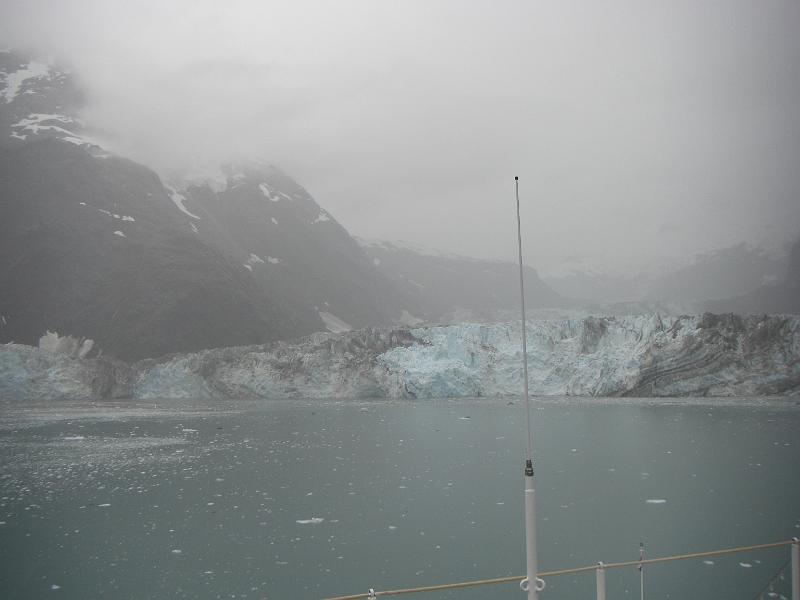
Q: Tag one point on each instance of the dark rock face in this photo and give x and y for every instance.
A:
(290, 243)
(95, 246)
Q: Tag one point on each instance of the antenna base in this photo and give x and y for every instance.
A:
(529, 468)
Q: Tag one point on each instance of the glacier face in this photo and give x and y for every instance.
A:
(606, 356)
(651, 355)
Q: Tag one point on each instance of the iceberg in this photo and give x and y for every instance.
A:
(640, 356)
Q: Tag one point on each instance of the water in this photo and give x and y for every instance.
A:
(303, 500)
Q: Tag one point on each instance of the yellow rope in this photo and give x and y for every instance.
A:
(516, 578)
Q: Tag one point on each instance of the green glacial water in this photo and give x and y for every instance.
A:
(296, 500)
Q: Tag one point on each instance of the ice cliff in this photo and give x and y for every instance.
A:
(708, 355)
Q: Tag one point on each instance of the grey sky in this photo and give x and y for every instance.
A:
(640, 130)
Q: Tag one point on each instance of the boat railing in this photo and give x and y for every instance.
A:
(600, 569)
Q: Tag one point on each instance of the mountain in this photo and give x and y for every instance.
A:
(592, 288)
(691, 287)
(451, 288)
(715, 275)
(287, 242)
(93, 245)
(782, 296)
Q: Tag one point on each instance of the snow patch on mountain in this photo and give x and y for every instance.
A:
(13, 81)
(179, 199)
(271, 194)
(399, 245)
(114, 215)
(322, 217)
(266, 192)
(253, 259)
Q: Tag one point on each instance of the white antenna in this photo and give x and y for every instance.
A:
(531, 559)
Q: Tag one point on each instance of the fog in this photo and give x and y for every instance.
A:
(641, 132)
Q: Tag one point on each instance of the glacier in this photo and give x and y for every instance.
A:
(640, 356)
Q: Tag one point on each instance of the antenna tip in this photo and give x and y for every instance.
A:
(516, 178)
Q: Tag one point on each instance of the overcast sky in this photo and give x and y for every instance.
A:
(639, 130)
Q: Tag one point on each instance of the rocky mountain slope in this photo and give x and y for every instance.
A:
(708, 355)
(448, 288)
(782, 296)
(698, 285)
(96, 246)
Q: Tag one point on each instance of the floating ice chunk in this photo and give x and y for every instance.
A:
(55, 587)
(333, 323)
(256, 259)
(273, 261)
(119, 233)
(105, 505)
(708, 562)
(311, 521)
(73, 438)
(177, 551)
(187, 430)
(656, 501)
(127, 218)
(746, 565)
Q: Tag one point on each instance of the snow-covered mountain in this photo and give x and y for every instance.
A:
(449, 288)
(96, 246)
(652, 355)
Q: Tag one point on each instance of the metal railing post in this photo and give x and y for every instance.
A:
(795, 569)
(600, 574)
